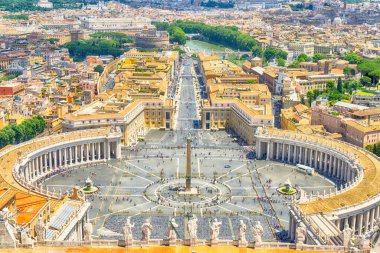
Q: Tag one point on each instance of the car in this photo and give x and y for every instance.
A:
(227, 166)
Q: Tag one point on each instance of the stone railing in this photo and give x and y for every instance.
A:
(179, 242)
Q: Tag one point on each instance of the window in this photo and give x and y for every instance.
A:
(208, 116)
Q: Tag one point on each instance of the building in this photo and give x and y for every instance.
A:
(235, 100)
(44, 4)
(295, 116)
(11, 89)
(126, 25)
(151, 38)
(138, 100)
(357, 124)
(366, 98)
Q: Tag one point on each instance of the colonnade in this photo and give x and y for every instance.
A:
(76, 152)
(326, 161)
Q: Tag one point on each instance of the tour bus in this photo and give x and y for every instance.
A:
(305, 169)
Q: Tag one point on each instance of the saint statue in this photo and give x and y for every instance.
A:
(215, 229)
(146, 229)
(192, 228)
(172, 232)
(242, 230)
(87, 232)
(127, 230)
(301, 234)
(347, 234)
(40, 230)
(258, 232)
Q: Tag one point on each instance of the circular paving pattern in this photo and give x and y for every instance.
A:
(170, 192)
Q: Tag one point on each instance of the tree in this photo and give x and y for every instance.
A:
(281, 62)
(340, 85)
(28, 129)
(353, 58)
(330, 85)
(365, 81)
(270, 54)
(99, 69)
(52, 41)
(317, 57)
(294, 64)
(257, 51)
(347, 71)
(303, 58)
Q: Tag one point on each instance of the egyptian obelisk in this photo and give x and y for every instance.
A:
(188, 164)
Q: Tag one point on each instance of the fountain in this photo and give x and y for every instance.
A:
(287, 189)
(89, 187)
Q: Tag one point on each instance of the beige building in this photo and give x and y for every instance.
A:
(236, 100)
(358, 126)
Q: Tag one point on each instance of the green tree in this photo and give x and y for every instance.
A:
(353, 58)
(99, 69)
(340, 85)
(281, 62)
(257, 51)
(330, 85)
(270, 54)
(365, 81)
(303, 58)
(317, 57)
(294, 64)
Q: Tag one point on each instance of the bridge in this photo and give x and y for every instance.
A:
(191, 35)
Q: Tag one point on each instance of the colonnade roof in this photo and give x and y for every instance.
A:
(367, 188)
(29, 203)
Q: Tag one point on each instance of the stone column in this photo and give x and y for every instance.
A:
(99, 149)
(366, 221)
(87, 151)
(372, 219)
(60, 157)
(76, 154)
(41, 166)
(55, 160)
(92, 151)
(353, 223)
(81, 150)
(294, 154)
(268, 150)
(360, 224)
(283, 152)
(289, 151)
(50, 161)
(65, 154)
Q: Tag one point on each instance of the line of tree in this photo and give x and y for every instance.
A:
(374, 148)
(17, 17)
(213, 4)
(30, 5)
(121, 37)
(80, 49)
(370, 69)
(229, 36)
(28, 129)
(334, 92)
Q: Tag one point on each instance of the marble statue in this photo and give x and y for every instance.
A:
(301, 234)
(215, 229)
(258, 232)
(25, 236)
(146, 229)
(347, 234)
(127, 231)
(192, 228)
(242, 230)
(40, 230)
(172, 233)
(374, 235)
(87, 232)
